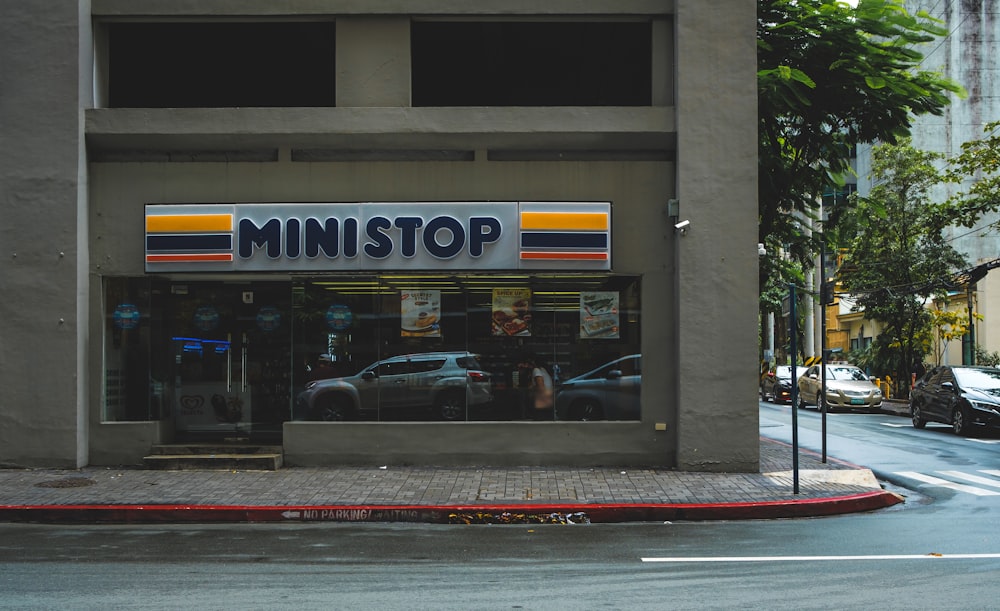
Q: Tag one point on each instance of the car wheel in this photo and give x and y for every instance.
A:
(332, 409)
(959, 421)
(451, 406)
(917, 417)
(586, 410)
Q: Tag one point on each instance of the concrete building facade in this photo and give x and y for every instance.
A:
(205, 203)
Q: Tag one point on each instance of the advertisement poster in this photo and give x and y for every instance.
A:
(421, 313)
(599, 315)
(512, 312)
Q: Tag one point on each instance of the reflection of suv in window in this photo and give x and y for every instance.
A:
(610, 392)
(448, 382)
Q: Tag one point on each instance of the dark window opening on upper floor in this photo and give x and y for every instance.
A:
(221, 65)
(531, 64)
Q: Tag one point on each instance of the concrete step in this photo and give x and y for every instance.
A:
(213, 448)
(217, 457)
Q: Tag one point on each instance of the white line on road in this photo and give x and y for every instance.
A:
(986, 441)
(824, 558)
(990, 472)
(943, 483)
(975, 479)
(896, 425)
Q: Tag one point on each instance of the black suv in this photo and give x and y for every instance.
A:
(967, 398)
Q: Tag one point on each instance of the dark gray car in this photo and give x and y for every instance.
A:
(967, 398)
(610, 392)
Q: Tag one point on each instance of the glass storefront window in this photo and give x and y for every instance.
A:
(242, 357)
(421, 347)
(133, 385)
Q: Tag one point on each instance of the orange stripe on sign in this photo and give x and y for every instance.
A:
(581, 221)
(580, 256)
(203, 257)
(183, 223)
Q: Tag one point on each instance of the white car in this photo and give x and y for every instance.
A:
(847, 387)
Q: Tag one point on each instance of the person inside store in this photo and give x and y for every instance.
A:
(541, 392)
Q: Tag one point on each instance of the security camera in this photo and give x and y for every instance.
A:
(761, 251)
(682, 225)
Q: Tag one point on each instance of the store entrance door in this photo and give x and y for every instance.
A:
(231, 355)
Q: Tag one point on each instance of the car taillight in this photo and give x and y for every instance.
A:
(479, 376)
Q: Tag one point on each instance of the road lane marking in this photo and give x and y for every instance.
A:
(943, 483)
(931, 556)
(990, 472)
(895, 425)
(986, 441)
(975, 479)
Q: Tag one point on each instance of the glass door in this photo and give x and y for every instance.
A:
(231, 354)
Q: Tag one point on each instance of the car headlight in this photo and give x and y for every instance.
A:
(986, 407)
(877, 393)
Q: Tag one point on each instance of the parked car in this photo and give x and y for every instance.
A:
(609, 392)
(967, 398)
(447, 382)
(776, 385)
(847, 387)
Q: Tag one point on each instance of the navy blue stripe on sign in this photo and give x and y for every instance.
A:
(216, 241)
(552, 239)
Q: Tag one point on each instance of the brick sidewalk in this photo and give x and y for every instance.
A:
(445, 488)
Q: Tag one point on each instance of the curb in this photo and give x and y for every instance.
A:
(449, 514)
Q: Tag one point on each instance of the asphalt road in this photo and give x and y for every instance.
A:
(938, 550)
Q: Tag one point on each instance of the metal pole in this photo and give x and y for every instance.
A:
(793, 328)
(972, 325)
(822, 339)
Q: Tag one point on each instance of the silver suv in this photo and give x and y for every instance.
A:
(447, 382)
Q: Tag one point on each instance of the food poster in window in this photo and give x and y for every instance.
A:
(512, 312)
(599, 315)
(420, 313)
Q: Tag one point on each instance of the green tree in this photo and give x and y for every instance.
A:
(830, 77)
(979, 162)
(891, 264)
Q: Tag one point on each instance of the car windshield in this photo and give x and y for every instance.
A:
(783, 372)
(980, 379)
(846, 373)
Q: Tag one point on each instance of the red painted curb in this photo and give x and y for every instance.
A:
(450, 514)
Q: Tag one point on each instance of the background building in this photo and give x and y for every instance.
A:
(118, 114)
(967, 55)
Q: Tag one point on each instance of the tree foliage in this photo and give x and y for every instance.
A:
(979, 162)
(898, 247)
(830, 77)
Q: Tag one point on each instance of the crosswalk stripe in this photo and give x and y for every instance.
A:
(975, 479)
(943, 483)
(993, 472)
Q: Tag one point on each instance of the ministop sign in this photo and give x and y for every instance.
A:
(378, 236)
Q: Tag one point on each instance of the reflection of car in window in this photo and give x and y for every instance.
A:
(609, 392)
(448, 382)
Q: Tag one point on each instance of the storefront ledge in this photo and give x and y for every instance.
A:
(474, 128)
(470, 443)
